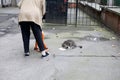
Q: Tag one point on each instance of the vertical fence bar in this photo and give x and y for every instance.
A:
(2, 3)
(76, 13)
(66, 10)
(70, 12)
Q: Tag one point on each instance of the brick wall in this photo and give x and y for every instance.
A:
(111, 20)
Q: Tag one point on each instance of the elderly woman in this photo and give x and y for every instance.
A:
(30, 16)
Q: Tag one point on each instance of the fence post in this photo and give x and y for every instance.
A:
(76, 13)
(66, 6)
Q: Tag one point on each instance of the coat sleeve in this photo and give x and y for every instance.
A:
(44, 7)
(20, 3)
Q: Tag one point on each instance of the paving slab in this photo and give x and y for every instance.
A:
(98, 59)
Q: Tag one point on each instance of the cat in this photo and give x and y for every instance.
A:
(69, 44)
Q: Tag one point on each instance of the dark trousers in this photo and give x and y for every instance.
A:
(37, 31)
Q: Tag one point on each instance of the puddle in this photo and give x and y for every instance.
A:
(4, 17)
(86, 28)
(94, 38)
(1, 33)
(2, 30)
(46, 37)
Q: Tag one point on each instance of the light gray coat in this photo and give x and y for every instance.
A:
(31, 10)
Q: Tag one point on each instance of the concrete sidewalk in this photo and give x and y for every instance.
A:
(97, 60)
(9, 10)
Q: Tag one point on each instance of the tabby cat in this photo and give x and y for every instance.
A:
(69, 44)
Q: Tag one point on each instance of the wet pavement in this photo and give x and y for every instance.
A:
(8, 25)
(8, 21)
(98, 59)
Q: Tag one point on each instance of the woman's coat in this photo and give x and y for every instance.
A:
(31, 10)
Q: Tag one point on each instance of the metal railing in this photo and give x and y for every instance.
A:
(87, 12)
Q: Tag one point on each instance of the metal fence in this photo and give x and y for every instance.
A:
(76, 12)
(87, 12)
(117, 3)
(56, 11)
(83, 12)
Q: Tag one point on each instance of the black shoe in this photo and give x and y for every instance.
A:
(45, 55)
(27, 54)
